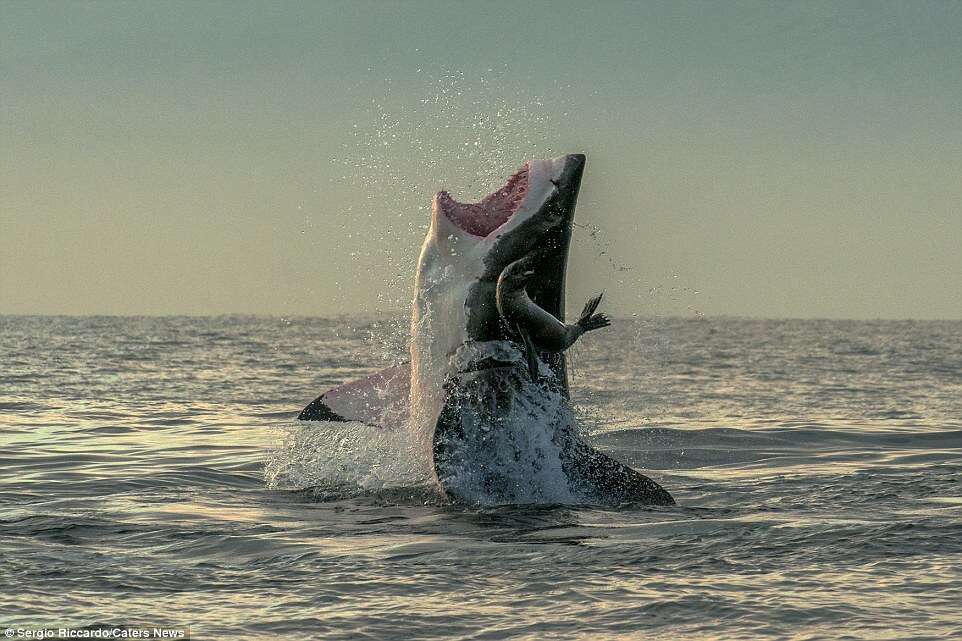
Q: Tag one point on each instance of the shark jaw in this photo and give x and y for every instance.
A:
(482, 218)
(520, 200)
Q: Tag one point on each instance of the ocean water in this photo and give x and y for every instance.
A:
(151, 474)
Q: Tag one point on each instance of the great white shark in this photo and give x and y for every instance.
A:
(485, 393)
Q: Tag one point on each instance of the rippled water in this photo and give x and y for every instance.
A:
(816, 465)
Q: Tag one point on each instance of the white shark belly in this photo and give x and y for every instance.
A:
(438, 328)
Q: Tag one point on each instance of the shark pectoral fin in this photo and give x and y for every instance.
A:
(607, 480)
(530, 352)
(380, 399)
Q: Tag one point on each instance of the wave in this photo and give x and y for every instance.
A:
(334, 461)
(679, 448)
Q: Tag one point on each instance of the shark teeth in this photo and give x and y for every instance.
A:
(492, 211)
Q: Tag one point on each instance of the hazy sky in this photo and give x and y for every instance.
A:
(768, 159)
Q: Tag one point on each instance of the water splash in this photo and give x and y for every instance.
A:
(456, 130)
(501, 439)
(350, 457)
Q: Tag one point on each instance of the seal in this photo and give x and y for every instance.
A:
(538, 328)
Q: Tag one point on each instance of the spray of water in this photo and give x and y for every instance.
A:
(343, 457)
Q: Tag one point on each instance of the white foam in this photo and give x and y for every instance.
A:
(351, 455)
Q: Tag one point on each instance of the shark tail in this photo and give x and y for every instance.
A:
(589, 320)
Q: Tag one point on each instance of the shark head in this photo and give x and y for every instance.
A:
(532, 213)
(467, 247)
(527, 212)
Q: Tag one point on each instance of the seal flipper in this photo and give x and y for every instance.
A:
(380, 399)
(530, 352)
(589, 320)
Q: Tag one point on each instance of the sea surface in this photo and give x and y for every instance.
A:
(151, 473)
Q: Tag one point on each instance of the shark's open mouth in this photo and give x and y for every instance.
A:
(494, 210)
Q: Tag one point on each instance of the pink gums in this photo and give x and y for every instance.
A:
(482, 218)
